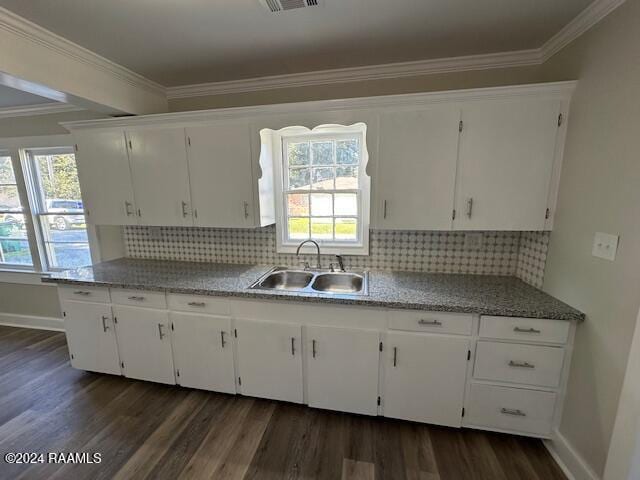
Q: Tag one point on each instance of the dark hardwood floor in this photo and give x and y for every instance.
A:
(146, 430)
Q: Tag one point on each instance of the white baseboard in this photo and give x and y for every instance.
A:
(569, 460)
(30, 321)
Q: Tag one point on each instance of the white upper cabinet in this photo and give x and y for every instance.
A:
(418, 151)
(221, 179)
(105, 177)
(506, 160)
(160, 176)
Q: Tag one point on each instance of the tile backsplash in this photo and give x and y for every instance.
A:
(522, 254)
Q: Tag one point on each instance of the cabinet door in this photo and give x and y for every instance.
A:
(342, 369)
(270, 360)
(105, 177)
(91, 337)
(203, 352)
(417, 160)
(160, 176)
(424, 377)
(144, 342)
(221, 178)
(507, 151)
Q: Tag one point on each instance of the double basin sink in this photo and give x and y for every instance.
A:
(307, 281)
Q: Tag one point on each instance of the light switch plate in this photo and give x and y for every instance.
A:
(473, 241)
(605, 246)
(155, 233)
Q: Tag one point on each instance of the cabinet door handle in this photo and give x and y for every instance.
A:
(82, 292)
(136, 298)
(384, 210)
(246, 209)
(293, 346)
(105, 327)
(513, 411)
(185, 213)
(525, 330)
(395, 356)
(161, 333)
(433, 323)
(469, 207)
(196, 304)
(222, 340)
(513, 363)
(127, 208)
(313, 348)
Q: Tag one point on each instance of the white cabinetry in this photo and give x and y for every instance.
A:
(424, 377)
(220, 172)
(203, 351)
(160, 176)
(418, 151)
(145, 344)
(270, 359)
(91, 337)
(506, 161)
(105, 177)
(342, 369)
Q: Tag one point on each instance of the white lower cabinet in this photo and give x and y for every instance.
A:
(144, 343)
(342, 369)
(91, 337)
(203, 351)
(269, 359)
(424, 377)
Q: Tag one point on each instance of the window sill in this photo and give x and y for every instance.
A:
(23, 277)
(359, 250)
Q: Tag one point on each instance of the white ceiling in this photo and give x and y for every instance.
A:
(10, 97)
(177, 42)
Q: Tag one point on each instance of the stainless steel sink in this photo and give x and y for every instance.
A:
(317, 281)
(338, 282)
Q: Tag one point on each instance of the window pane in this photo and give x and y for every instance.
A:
(299, 179)
(6, 170)
(59, 182)
(298, 228)
(347, 178)
(298, 204)
(69, 255)
(346, 204)
(323, 178)
(322, 153)
(346, 229)
(298, 153)
(9, 199)
(321, 204)
(347, 152)
(14, 245)
(322, 228)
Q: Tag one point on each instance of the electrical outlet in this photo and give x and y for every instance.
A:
(473, 241)
(605, 246)
(155, 233)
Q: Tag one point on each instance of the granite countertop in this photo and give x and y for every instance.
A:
(480, 294)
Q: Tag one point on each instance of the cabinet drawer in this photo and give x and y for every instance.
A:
(139, 298)
(432, 322)
(84, 294)
(526, 411)
(199, 303)
(529, 329)
(516, 363)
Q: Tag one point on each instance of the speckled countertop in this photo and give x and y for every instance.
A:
(481, 294)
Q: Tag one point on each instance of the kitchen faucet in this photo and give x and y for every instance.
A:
(318, 266)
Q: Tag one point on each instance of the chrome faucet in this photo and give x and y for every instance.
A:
(317, 247)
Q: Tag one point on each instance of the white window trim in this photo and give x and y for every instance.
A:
(274, 139)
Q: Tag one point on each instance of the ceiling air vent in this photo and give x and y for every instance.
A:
(282, 5)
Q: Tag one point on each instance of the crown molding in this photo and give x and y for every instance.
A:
(32, 32)
(586, 19)
(355, 74)
(37, 109)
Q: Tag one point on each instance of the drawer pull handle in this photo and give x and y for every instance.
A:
(432, 323)
(196, 304)
(293, 346)
(222, 340)
(82, 292)
(525, 330)
(313, 348)
(161, 333)
(513, 363)
(513, 411)
(136, 298)
(395, 356)
(105, 327)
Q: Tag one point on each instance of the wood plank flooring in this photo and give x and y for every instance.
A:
(146, 430)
